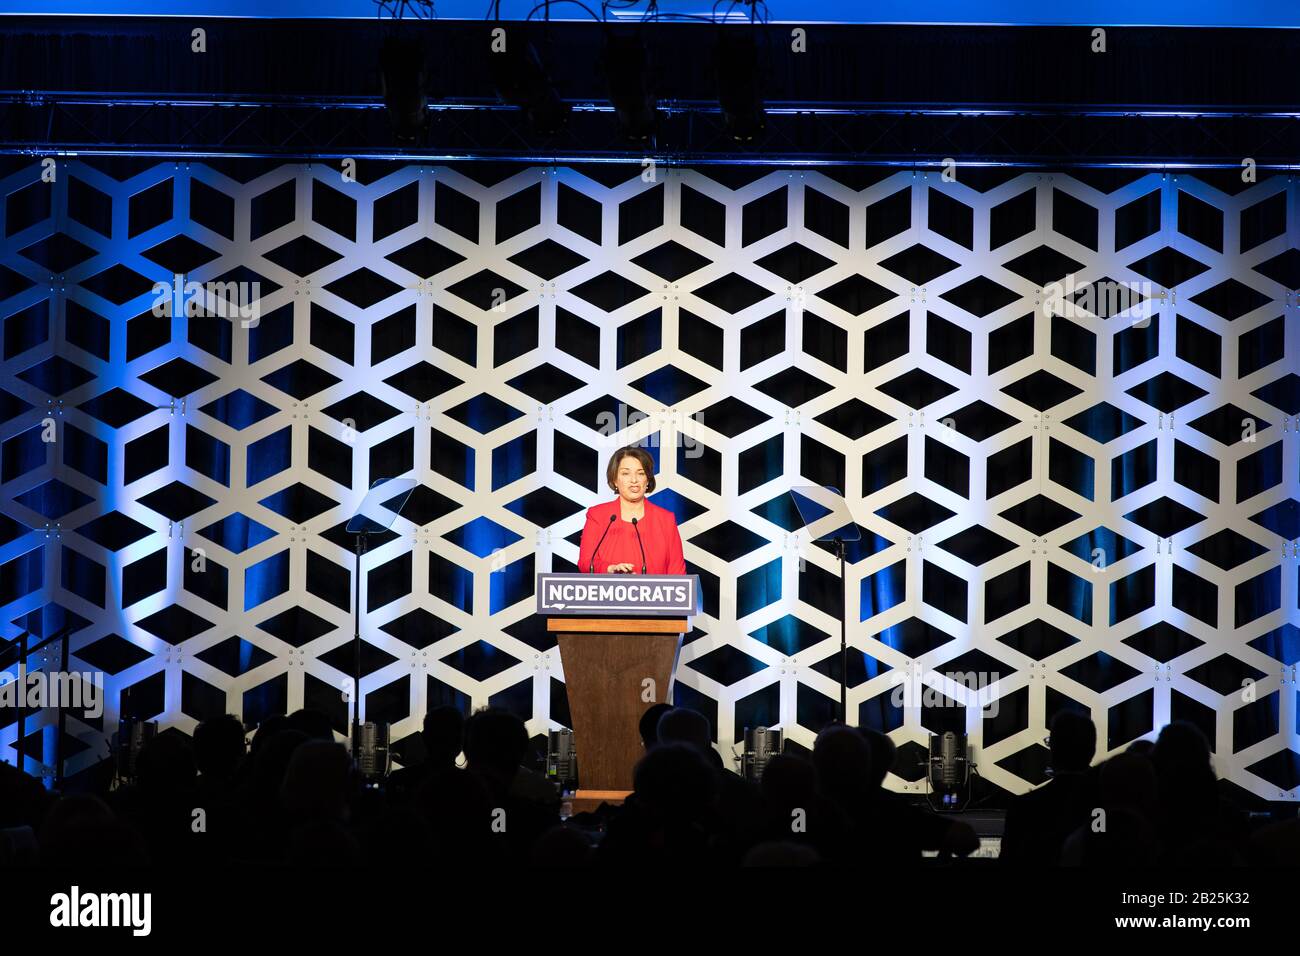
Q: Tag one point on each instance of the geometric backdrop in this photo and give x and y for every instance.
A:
(1083, 507)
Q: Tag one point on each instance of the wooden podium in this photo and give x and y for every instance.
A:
(608, 663)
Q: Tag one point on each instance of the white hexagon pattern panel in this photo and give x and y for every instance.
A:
(1081, 502)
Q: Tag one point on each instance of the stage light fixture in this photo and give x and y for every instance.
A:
(561, 759)
(739, 95)
(626, 68)
(949, 772)
(402, 62)
(132, 734)
(761, 745)
(520, 80)
(373, 757)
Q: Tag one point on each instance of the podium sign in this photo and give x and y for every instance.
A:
(617, 595)
(618, 634)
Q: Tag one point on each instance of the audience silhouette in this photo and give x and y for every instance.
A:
(1038, 822)
(293, 796)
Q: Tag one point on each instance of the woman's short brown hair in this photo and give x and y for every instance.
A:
(641, 455)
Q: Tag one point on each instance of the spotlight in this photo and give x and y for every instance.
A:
(761, 745)
(372, 757)
(402, 62)
(561, 759)
(521, 81)
(950, 769)
(736, 58)
(132, 734)
(626, 74)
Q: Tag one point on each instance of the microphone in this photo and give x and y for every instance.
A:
(948, 758)
(592, 568)
(639, 544)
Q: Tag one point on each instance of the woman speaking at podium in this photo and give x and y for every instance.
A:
(630, 535)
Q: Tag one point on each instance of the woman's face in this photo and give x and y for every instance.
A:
(630, 479)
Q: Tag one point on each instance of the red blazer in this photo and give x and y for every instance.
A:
(659, 535)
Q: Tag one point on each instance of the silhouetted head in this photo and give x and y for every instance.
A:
(788, 782)
(266, 730)
(74, 810)
(219, 746)
(1182, 761)
(1074, 741)
(166, 764)
(562, 847)
(1128, 780)
(444, 735)
(313, 723)
(495, 743)
(842, 760)
(675, 782)
(271, 760)
(1143, 748)
(318, 782)
(681, 725)
(883, 752)
(648, 727)
(81, 830)
(1182, 743)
